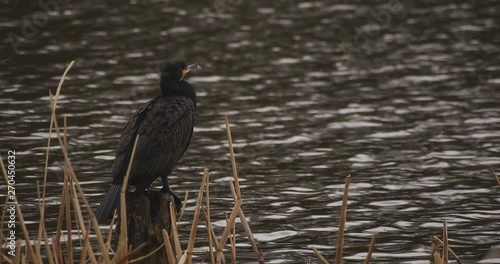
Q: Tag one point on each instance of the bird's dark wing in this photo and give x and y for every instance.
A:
(165, 128)
(126, 144)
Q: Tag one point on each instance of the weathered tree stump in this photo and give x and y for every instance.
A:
(147, 216)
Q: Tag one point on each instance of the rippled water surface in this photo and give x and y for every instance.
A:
(402, 95)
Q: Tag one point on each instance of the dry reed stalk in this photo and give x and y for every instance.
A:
(62, 204)
(232, 241)
(183, 207)
(44, 231)
(445, 242)
(85, 243)
(3, 240)
(434, 248)
(57, 250)
(371, 248)
(207, 220)
(449, 249)
(194, 227)
(37, 243)
(343, 217)
(235, 190)
(6, 259)
(69, 225)
(65, 198)
(21, 220)
(141, 258)
(2, 256)
(48, 249)
(18, 253)
(168, 247)
(233, 160)
(238, 202)
(2, 221)
(175, 235)
(318, 254)
(132, 252)
(248, 230)
(437, 258)
(183, 258)
(56, 241)
(109, 236)
(69, 231)
(77, 229)
(41, 226)
(69, 241)
(227, 229)
(122, 250)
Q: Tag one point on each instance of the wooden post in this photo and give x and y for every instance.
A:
(147, 216)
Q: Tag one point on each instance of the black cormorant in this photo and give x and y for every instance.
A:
(165, 126)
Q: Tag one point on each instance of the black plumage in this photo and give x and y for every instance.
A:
(165, 127)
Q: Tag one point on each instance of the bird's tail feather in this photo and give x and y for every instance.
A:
(108, 205)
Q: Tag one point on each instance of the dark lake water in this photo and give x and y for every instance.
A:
(402, 95)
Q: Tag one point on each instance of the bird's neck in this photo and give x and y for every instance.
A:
(169, 87)
(172, 88)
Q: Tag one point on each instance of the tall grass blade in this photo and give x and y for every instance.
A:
(343, 217)
(194, 227)
(318, 254)
(371, 248)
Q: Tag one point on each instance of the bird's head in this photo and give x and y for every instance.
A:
(173, 74)
(177, 71)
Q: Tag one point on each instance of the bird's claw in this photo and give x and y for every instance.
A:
(177, 200)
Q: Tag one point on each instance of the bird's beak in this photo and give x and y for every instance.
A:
(190, 67)
(193, 66)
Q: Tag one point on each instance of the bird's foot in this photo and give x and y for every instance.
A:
(178, 202)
